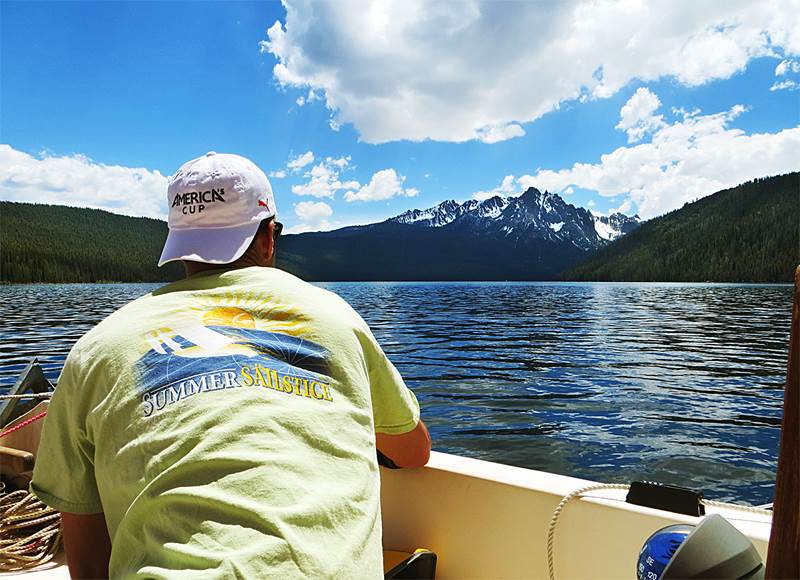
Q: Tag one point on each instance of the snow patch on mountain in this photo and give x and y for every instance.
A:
(604, 230)
(530, 216)
(615, 225)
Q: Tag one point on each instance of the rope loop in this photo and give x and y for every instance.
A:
(551, 529)
(30, 531)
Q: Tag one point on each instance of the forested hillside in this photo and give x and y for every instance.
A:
(48, 243)
(750, 233)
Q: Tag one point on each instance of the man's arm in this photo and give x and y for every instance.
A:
(412, 449)
(87, 545)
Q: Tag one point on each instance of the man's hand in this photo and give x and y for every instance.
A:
(412, 449)
(87, 545)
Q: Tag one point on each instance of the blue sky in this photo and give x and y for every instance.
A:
(401, 105)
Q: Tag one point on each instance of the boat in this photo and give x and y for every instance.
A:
(487, 520)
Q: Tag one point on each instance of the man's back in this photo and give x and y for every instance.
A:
(226, 424)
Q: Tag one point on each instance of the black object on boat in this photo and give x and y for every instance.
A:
(679, 500)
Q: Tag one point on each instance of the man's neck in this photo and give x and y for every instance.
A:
(193, 268)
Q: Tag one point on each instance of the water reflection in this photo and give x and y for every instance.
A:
(681, 383)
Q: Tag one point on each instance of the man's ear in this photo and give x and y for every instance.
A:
(266, 243)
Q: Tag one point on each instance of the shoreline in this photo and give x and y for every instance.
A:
(486, 282)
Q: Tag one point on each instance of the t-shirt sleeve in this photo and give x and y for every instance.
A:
(63, 476)
(394, 406)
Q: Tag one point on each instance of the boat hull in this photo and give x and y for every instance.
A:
(486, 520)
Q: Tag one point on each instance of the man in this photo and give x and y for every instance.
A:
(226, 424)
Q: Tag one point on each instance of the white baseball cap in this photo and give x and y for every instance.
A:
(216, 203)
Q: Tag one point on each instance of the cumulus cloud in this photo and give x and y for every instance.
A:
(300, 161)
(499, 132)
(787, 68)
(478, 69)
(308, 98)
(323, 179)
(314, 216)
(785, 85)
(692, 157)
(76, 180)
(637, 118)
(384, 184)
(507, 187)
(279, 174)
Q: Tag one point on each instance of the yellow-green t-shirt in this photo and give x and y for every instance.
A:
(225, 425)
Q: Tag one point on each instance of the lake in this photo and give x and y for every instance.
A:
(678, 383)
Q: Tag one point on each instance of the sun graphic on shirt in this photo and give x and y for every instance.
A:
(203, 335)
(254, 310)
(229, 316)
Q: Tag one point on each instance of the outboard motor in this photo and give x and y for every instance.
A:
(712, 549)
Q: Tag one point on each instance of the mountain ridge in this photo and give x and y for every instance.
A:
(748, 233)
(516, 212)
(533, 236)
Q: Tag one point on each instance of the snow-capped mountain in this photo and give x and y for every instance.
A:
(535, 236)
(532, 216)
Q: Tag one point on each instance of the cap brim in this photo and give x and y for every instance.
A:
(209, 245)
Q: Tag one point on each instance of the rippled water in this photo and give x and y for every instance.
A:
(671, 382)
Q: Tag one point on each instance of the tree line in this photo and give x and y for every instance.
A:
(749, 233)
(51, 243)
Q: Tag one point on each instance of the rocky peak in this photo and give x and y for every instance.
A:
(532, 215)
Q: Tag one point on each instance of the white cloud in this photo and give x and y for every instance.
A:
(384, 184)
(507, 187)
(786, 66)
(306, 99)
(637, 118)
(297, 163)
(693, 157)
(314, 216)
(340, 162)
(313, 211)
(478, 69)
(499, 132)
(625, 207)
(78, 181)
(787, 85)
(324, 179)
(279, 174)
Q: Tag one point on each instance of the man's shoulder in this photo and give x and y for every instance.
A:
(116, 326)
(313, 299)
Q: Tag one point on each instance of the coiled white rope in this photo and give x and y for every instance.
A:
(30, 531)
(551, 529)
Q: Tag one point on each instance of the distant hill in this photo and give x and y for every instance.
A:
(51, 243)
(750, 233)
(534, 236)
